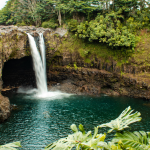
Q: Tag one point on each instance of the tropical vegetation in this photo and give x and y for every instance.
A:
(113, 22)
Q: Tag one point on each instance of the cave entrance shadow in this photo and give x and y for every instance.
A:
(18, 72)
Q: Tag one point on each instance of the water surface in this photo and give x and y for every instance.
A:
(38, 122)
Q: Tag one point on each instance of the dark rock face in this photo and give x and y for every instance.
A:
(93, 82)
(4, 108)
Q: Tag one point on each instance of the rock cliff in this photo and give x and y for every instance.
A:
(70, 68)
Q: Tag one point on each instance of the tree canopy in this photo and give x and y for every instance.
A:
(113, 22)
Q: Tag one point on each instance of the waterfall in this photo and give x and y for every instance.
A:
(39, 64)
(42, 49)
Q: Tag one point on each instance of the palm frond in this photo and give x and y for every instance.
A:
(126, 118)
(137, 140)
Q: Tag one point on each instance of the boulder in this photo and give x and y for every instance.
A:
(4, 108)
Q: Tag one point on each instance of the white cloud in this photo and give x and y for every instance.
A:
(2, 3)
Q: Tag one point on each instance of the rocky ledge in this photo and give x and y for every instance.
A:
(94, 82)
(30, 29)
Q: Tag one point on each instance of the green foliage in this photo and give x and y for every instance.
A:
(107, 29)
(75, 66)
(37, 12)
(73, 25)
(21, 24)
(45, 24)
(85, 7)
(79, 139)
(10, 146)
(123, 140)
(123, 120)
(137, 140)
(10, 21)
(49, 24)
(139, 21)
(5, 13)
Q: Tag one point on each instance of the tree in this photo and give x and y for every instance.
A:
(85, 7)
(5, 13)
(30, 5)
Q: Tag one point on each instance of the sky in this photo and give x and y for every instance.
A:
(2, 3)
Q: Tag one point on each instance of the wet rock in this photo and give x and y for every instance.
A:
(4, 108)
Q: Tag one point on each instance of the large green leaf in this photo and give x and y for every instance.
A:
(73, 140)
(10, 146)
(95, 142)
(79, 139)
(126, 118)
(137, 140)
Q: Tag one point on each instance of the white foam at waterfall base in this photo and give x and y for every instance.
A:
(51, 95)
(32, 93)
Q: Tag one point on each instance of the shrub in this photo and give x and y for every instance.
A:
(50, 24)
(107, 29)
(72, 25)
(53, 25)
(45, 24)
(21, 24)
(9, 22)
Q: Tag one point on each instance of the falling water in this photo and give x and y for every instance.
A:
(39, 64)
(42, 49)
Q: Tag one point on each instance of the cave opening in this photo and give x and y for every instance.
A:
(18, 72)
